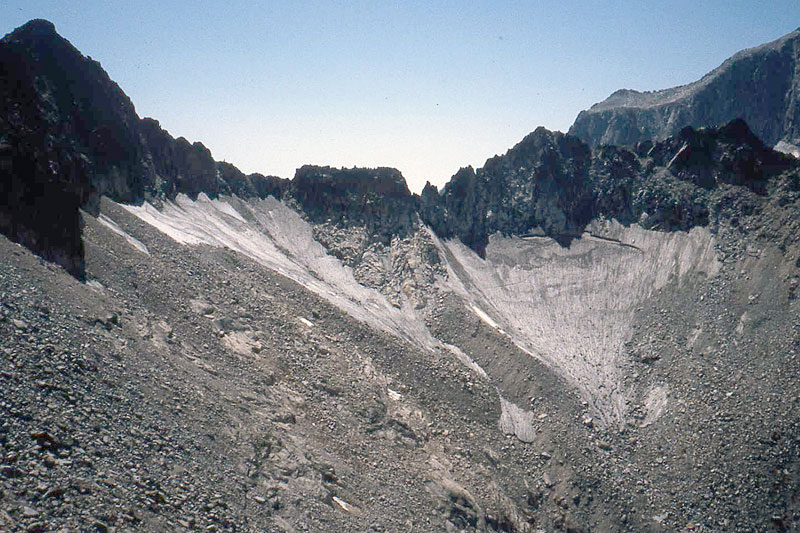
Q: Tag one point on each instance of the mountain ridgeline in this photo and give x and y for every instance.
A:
(68, 135)
(760, 85)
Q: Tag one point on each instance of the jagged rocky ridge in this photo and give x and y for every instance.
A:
(69, 135)
(553, 184)
(760, 85)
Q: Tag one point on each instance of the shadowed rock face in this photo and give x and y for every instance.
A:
(68, 134)
(759, 85)
(552, 184)
(377, 198)
(540, 183)
(57, 108)
(731, 155)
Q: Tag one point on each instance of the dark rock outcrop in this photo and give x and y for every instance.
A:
(252, 185)
(67, 130)
(553, 184)
(540, 183)
(760, 85)
(378, 198)
(69, 134)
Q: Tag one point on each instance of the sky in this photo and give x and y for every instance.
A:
(423, 86)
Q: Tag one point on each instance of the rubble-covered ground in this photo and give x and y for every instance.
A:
(190, 387)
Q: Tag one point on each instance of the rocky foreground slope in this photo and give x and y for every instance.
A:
(760, 85)
(566, 339)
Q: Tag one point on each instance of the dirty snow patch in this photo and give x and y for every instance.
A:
(516, 421)
(278, 238)
(486, 318)
(573, 307)
(113, 226)
(225, 207)
(654, 404)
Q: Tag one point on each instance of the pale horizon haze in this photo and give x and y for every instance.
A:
(426, 87)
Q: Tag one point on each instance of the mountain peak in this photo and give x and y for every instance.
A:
(755, 84)
(36, 28)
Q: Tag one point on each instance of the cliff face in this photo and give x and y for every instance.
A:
(540, 183)
(378, 199)
(760, 85)
(553, 184)
(68, 134)
(61, 121)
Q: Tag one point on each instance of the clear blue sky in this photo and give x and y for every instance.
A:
(423, 86)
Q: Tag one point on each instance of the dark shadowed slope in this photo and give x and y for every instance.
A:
(68, 134)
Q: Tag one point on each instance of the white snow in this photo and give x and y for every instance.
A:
(346, 507)
(788, 148)
(223, 207)
(113, 226)
(281, 240)
(94, 284)
(466, 360)
(573, 308)
(486, 318)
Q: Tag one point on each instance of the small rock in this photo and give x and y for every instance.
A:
(11, 471)
(55, 492)
(156, 496)
(44, 439)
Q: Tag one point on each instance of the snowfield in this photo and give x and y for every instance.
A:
(571, 308)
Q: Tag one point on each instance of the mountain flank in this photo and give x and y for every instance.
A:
(760, 85)
(68, 135)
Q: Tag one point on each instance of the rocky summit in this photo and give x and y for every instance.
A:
(574, 337)
(760, 85)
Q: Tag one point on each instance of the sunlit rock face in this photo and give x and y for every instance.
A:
(759, 85)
